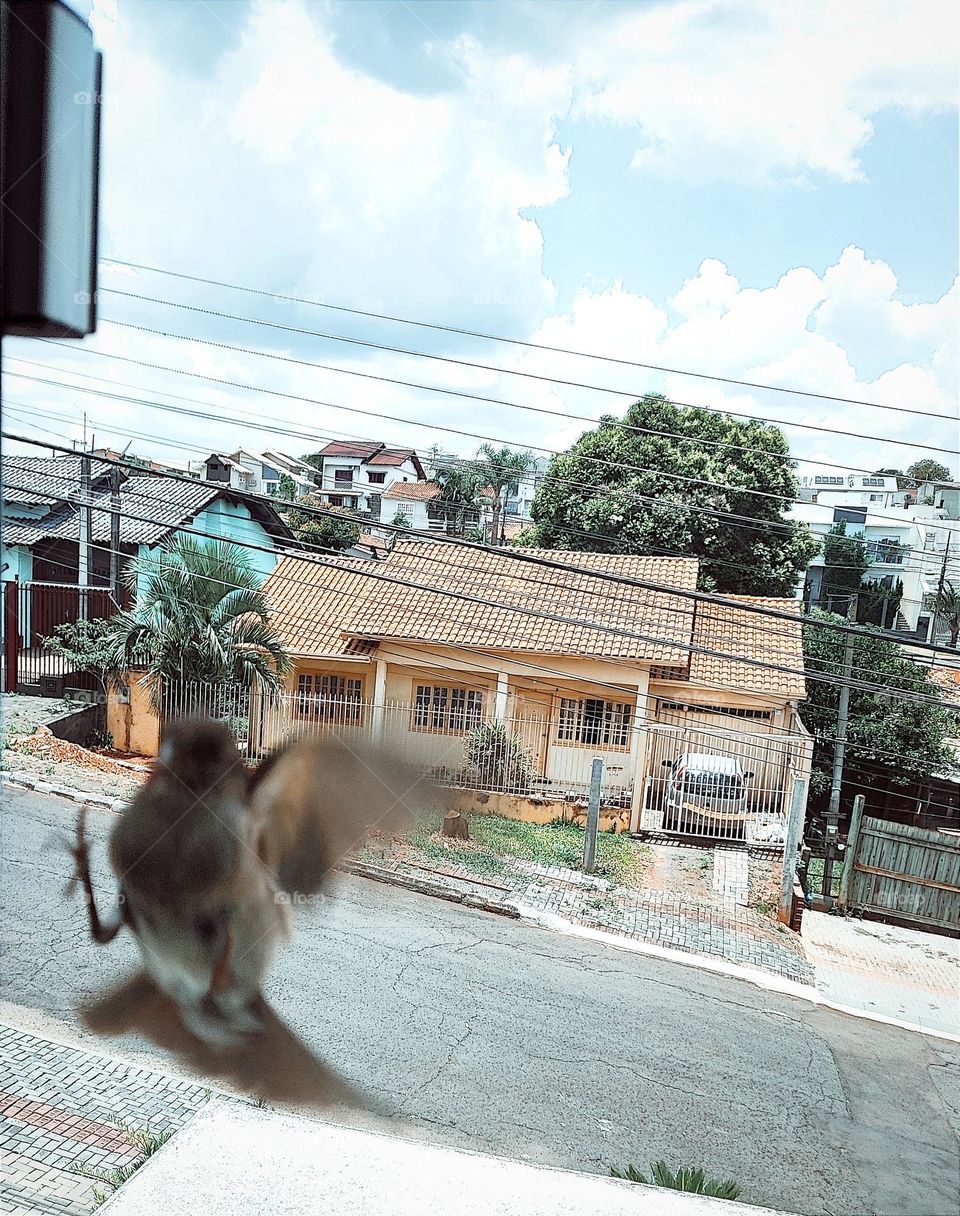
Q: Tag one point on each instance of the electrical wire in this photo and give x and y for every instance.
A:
(602, 576)
(450, 329)
(745, 521)
(514, 405)
(629, 690)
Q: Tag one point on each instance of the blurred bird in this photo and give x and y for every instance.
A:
(209, 857)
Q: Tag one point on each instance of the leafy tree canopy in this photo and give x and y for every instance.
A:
(845, 562)
(286, 488)
(928, 470)
(200, 616)
(336, 531)
(622, 488)
(884, 728)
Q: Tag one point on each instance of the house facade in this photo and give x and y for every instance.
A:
(913, 543)
(46, 569)
(257, 472)
(436, 649)
(357, 475)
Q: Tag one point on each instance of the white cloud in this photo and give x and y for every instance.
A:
(758, 88)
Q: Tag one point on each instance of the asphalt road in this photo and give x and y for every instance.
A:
(502, 1037)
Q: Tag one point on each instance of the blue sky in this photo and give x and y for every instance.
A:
(742, 187)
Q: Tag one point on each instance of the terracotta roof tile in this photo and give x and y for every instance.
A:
(733, 629)
(413, 491)
(418, 613)
(310, 601)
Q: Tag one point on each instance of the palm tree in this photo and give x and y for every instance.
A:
(948, 609)
(502, 469)
(199, 616)
(461, 487)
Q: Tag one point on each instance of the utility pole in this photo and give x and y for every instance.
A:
(932, 624)
(593, 818)
(839, 750)
(115, 534)
(84, 544)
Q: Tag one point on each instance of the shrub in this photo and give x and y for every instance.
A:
(495, 758)
(683, 1180)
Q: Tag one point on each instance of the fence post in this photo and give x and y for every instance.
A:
(850, 853)
(798, 807)
(11, 635)
(593, 818)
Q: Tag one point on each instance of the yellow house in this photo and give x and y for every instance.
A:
(507, 678)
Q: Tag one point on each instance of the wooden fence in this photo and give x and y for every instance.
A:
(908, 873)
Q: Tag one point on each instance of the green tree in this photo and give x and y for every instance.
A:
(461, 489)
(928, 469)
(879, 604)
(886, 729)
(86, 646)
(286, 488)
(845, 562)
(336, 530)
(948, 609)
(199, 616)
(624, 488)
(502, 469)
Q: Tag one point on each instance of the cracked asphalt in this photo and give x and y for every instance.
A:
(498, 1036)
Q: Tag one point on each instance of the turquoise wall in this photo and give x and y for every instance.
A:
(230, 522)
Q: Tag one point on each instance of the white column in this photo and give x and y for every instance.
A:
(379, 698)
(638, 754)
(500, 705)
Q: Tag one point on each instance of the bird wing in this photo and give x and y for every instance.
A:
(316, 800)
(271, 1063)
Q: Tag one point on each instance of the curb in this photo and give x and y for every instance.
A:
(16, 779)
(469, 899)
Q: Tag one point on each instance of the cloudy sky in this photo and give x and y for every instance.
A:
(749, 189)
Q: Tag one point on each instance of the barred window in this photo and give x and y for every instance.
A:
(446, 710)
(594, 722)
(329, 698)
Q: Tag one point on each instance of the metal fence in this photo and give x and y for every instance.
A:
(32, 612)
(721, 784)
(726, 784)
(451, 740)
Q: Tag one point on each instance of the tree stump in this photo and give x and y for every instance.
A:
(455, 825)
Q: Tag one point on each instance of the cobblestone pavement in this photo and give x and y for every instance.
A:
(717, 924)
(65, 1111)
(882, 969)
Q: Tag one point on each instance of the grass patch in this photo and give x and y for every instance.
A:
(496, 840)
(112, 1180)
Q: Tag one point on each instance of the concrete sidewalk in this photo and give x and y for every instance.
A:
(244, 1162)
(909, 977)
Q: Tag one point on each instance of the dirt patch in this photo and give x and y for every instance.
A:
(687, 871)
(764, 877)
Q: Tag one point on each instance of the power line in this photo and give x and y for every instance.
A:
(515, 405)
(332, 562)
(452, 462)
(240, 418)
(760, 743)
(514, 554)
(560, 350)
(539, 561)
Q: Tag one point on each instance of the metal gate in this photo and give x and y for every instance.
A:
(723, 785)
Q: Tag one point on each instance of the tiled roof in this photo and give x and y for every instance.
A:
(342, 447)
(415, 614)
(393, 456)
(310, 601)
(44, 480)
(413, 491)
(319, 608)
(734, 629)
(163, 503)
